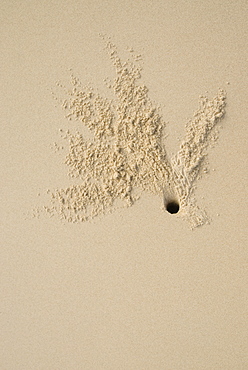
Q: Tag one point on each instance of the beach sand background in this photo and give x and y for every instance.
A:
(136, 289)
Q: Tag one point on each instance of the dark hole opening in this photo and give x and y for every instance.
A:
(172, 207)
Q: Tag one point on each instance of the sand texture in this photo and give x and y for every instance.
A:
(123, 224)
(126, 154)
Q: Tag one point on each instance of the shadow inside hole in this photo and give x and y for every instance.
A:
(172, 207)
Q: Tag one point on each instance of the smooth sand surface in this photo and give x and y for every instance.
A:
(136, 289)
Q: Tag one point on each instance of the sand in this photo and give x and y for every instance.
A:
(126, 153)
(135, 288)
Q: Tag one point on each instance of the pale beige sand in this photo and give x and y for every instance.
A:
(136, 289)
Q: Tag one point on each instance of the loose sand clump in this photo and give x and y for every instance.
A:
(125, 155)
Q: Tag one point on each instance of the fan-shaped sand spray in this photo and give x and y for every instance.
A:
(126, 156)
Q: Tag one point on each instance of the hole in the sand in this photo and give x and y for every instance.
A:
(172, 207)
